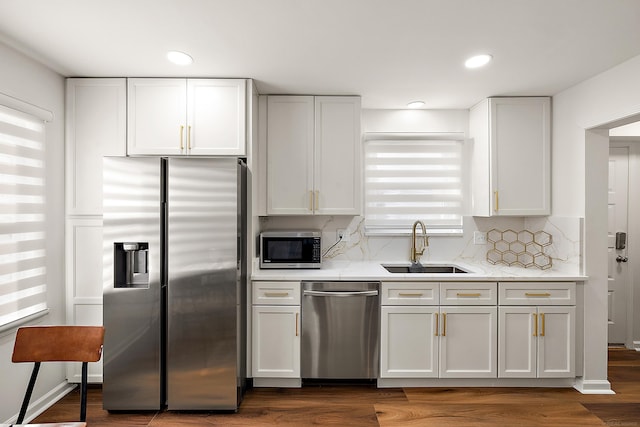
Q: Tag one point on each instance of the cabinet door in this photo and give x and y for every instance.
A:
(337, 155)
(290, 128)
(468, 342)
(216, 117)
(536, 342)
(517, 342)
(520, 133)
(157, 116)
(276, 341)
(96, 120)
(556, 342)
(408, 342)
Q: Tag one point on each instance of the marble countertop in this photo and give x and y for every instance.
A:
(373, 270)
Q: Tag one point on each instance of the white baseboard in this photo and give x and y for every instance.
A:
(593, 386)
(636, 345)
(277, 382)
(37, 407)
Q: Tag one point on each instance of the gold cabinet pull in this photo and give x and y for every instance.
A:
(181, 137)
(189, 138)
(535, 324)
(276, 294)
(444, 324)
(406, 294)
(437, 315)
(533, 294)
(497, 201)
(462, 294)
(317, 203)
(543, 325)
(311, 201)
(297, 317)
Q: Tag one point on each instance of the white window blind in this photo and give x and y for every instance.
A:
(22, 216)
(414, 179)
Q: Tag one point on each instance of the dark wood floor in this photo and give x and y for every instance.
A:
(356, 406)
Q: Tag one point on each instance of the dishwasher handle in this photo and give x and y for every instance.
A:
(341, 294)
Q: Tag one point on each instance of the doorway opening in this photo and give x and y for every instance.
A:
(623, 235)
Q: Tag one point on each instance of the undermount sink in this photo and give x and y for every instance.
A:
(437, 269)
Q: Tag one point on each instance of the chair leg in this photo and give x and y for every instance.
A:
(27, 395)
(83, 393)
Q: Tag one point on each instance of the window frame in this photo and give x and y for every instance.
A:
(451, 231)
(35, 118)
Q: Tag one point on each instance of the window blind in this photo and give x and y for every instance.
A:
(22, 216)
(409, 180)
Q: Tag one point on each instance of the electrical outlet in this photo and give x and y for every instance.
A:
(479, 238)
(342, 235)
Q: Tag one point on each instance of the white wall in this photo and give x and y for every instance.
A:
(579, 179)
(29, 81)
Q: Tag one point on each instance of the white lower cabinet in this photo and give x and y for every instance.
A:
(537, 341)
(431, 341)
(276, 341)
(276, 330)
(409, 342)
(468, 342)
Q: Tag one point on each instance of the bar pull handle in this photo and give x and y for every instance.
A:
(297, 319)
(437, 315)
(189, 138)
(497, 201)
(535, 324)
(473, 295)
(444, 324)
(533, 294)
(276, 294)
(405, 294)
(181, 138)
(311, 201)
(543, 325)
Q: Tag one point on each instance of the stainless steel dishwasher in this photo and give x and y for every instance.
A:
(340, 330)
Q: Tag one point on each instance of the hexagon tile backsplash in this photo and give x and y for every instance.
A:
(523, 248)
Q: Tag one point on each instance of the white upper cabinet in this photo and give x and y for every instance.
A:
(337, 155)
(290, 123)
(95, 127)
(313, 155)
(186, 117)
(511, 156)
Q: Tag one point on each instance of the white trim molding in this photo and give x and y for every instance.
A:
(25, 107)
(45, 402)
(593, 386)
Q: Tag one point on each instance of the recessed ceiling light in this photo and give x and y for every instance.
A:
(179, 58)
(415, 104)
(478, 61)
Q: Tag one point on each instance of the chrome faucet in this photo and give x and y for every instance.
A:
(415, 253)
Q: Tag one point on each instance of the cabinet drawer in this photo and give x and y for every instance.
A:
(537, 293)
(468, 293)
(409, 293)
(276, 293)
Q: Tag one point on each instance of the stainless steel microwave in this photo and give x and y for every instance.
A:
(290, 249)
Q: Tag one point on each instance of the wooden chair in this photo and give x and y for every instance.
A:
(58, 344)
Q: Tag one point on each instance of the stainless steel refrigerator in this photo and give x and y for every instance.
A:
(174, 283)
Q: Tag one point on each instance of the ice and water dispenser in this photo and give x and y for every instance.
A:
(131, 265)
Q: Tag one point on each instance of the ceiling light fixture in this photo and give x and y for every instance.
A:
(179, 58)
(478, 61)
(415, 104)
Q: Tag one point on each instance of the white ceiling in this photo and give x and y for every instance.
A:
(388, 51)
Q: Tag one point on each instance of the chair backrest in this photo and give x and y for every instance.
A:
(58, 344)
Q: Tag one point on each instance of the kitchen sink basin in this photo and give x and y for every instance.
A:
(437, 269)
